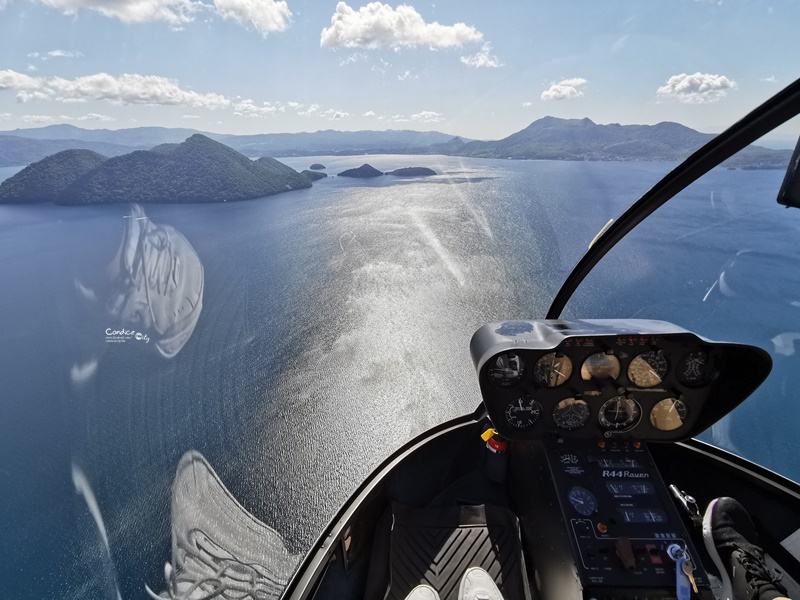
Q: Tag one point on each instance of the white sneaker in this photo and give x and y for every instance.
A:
(423, 592)
(477, 584)
(219, 550)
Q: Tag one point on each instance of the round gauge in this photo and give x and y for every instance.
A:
(583, 501)
(620, 414)
(669, 414)
(693, 369)
(571, 464)
(600, 366)
(648, 369)
(552, 370)
(571, 413)
(523, 412)
(506, 370)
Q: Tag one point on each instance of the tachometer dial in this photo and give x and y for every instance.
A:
(693, 369)
(552, 370)
(648, 369)
(669, 414)
(583, 501)
(523, 412)
(571, 413)
(620, 414)
(600, 366)
(506, 370)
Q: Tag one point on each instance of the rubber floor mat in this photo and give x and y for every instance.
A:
(436, 546)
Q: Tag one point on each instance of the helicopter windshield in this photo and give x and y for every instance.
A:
(250, 240)
(720, 258)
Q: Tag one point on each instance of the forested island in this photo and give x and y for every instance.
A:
(198, 170)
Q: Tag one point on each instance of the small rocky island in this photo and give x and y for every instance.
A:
(366, 170)
(362, 172)
(413, 172)
(198, 170)
(313, 175)
(316, 167)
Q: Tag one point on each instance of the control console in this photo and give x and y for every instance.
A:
(620, 520)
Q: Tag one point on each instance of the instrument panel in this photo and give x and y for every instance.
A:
(634, 379)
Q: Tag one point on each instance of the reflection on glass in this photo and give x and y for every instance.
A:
(669, 414)
(218, 548)
(600, 366)
(151, 293)
(159, 282)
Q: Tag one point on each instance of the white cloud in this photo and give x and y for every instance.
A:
(527, 104)
(399, 119)
(427, 116)
(125, 89)
(369, 113)
(248, 108)
(294, 105)
(700, 88)
(133, 11)
(31, 68)
(770, 79)
(36, 119)
(94, 117)
(62, 54)
(565, 89)
(190, 116)
(311, 111)
(406, 75)
(378, 25)
(333, 115)
(264, 15)
(483, 59)
(353, 58)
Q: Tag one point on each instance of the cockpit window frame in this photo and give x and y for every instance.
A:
(773, 113)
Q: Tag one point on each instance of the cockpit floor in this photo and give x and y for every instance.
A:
(437, 545)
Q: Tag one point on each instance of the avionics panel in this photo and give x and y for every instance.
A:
(619, 517)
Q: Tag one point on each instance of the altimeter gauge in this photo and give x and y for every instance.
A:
(552, 369)
(648, 369)
(523, 412)
(600, 366)
(506, 370)
(620, 414)
(669, 414)
(571, 413)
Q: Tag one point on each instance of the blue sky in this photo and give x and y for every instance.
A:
(477, 69)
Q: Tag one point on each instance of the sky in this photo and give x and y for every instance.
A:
(478, 69)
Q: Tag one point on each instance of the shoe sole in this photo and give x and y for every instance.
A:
(708, 539)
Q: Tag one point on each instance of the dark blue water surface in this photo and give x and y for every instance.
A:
(335, 325)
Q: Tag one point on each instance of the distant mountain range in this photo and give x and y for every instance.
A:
(547, 138)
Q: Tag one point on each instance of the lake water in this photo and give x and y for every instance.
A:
(334, 326)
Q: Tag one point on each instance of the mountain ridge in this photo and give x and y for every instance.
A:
(547, 138)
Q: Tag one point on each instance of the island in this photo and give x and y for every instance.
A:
(45, 180)
(316, 167)
(313, 175)
(363, 172)
(413, 172)
(198, 170)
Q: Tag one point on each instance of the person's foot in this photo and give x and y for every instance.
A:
(732, 542)
(423, 592)
(477, 584)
